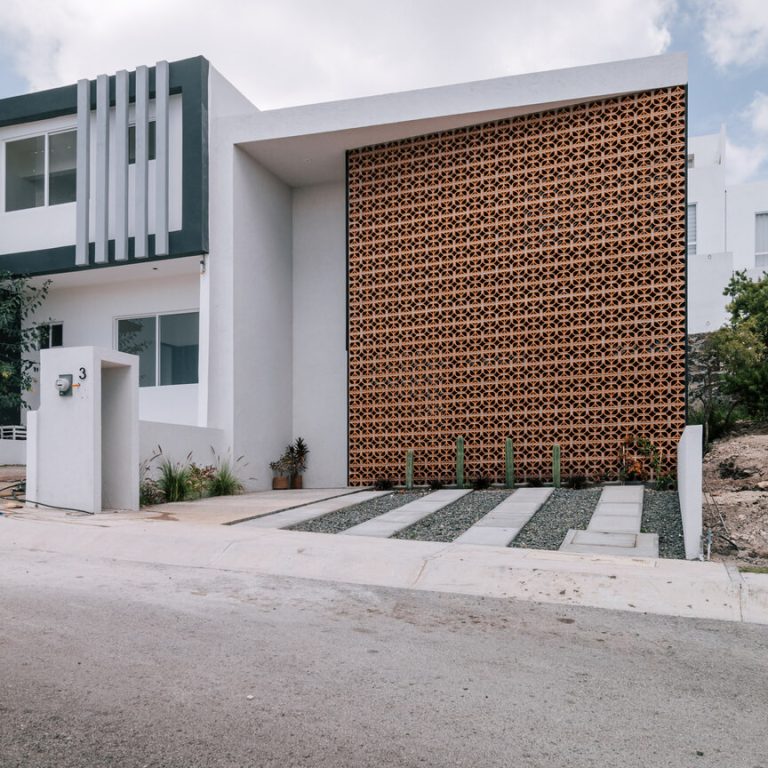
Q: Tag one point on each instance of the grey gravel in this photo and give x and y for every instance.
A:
(565, 509)
(661, 514)
(335, 522)
(451, 521)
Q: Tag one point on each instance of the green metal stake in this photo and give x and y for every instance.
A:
(459, 462)
(409, 469)
(509, 463)
(556, 465)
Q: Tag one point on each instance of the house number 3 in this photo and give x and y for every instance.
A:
(83, 375)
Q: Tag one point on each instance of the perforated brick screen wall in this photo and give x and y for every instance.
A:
(524, 278)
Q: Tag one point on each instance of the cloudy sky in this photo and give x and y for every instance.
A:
(284, 52)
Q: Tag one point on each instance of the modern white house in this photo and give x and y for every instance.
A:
(258, 262)
(727, 231)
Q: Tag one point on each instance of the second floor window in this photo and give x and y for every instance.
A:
(40, 170)
(691, 229)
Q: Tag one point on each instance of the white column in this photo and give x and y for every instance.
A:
(83, 183)
(121, 166)
(162, 83)
(141, 167)
(102, 169)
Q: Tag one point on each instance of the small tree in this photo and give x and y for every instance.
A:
(742, 345)
(20, 298)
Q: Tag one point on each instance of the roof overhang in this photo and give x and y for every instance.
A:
(307, 145)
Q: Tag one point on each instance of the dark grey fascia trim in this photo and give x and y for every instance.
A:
(188, 77)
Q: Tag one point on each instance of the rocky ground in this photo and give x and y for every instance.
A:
(736, 496)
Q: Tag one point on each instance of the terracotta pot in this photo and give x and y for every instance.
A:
(279, 483)
(296, 482)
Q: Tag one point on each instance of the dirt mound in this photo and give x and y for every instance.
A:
(736, 495)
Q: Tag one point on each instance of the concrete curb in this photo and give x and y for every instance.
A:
(644, 585)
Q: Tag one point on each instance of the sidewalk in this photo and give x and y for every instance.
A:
(668, 587)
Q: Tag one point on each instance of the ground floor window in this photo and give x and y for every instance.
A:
(167, 346)
(50, 335)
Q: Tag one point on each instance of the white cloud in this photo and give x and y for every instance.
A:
(736, 31)
(758, 113)
(292, 51)
(742, 163)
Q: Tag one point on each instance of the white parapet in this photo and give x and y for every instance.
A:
(689, 478)
(83, 441)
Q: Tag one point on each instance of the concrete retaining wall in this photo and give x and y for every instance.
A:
(689, 463)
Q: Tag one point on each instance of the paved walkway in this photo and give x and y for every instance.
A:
(290, 517)
(615, 526)
(502, 524)
(390, 523)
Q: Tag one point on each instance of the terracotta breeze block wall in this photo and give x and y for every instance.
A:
(523, 278)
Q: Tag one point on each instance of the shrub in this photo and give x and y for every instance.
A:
(436, 485)
(534, 482)
(577, 482)
(200, 478)
(481, 483)
(383, 484)
(175, 481)
(224, 480)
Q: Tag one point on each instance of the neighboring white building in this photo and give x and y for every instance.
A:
(727, 231)
(179, 222)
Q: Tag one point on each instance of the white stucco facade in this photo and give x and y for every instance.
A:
(269, 280)
(724, 233)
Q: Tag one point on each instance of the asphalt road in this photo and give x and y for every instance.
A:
(121, 664)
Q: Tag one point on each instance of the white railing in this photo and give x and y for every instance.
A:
(13, 433)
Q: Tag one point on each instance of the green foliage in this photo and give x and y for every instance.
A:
(509, 463)
(481, 483)
(293, 460)
(639, 453)
(409, 469)
(175, 480)
(436, 485)
(383, 484)
(459, 462)
(739, 353)
(20, 299)
(224, 480)
(556, 465)
(180, 481)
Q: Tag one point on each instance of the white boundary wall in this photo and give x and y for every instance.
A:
(177, 441)
(689, 477)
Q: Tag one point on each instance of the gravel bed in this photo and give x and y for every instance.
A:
(451, 521)
(335, 522)
(565, 509)
(661, 514)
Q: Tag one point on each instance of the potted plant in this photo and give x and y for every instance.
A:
(297, 454)
(280, 481)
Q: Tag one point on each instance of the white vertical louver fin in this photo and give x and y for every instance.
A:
(162, 82)
(121, 166)
(141, 172)
(83, 183)
(102, 169)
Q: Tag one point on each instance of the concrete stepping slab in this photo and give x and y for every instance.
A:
(396, 520)
(502, 524)
(491, 536)
(289, 517)
(624, 494)
(621, 544)
(614, 523)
